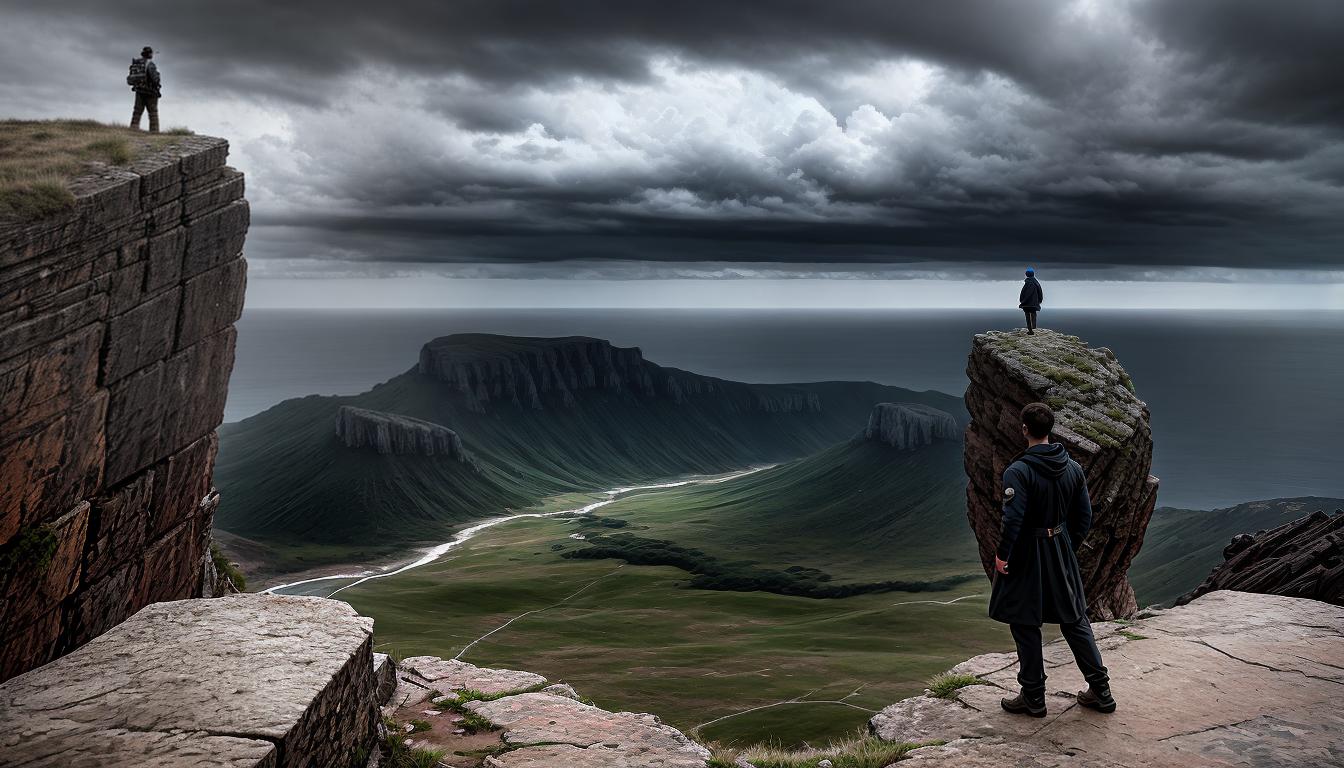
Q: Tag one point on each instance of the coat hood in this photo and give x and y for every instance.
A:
(1050, 459)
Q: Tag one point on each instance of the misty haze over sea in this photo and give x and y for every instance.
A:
(1245, 405)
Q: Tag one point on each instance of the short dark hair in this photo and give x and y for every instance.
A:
(1038, 419)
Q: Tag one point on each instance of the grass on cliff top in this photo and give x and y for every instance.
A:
(39, 158)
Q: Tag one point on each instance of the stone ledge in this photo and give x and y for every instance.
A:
(288, 680)
(1233, 678)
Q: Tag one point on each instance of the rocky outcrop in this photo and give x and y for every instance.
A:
(391, 433)
(116, 344)
(537, 726)
(1230, 679)
(906, 426)
(535, 372)
(1100, 420)
(1304, 558)
(245, 680)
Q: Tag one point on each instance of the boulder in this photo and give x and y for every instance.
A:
(569, 732)
(1099, 419)
(244, 680)
(1304, 558)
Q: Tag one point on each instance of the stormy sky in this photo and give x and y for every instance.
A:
(1177, 140)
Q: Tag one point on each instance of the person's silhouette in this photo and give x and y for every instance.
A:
(1030, 299)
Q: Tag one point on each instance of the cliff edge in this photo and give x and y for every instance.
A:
(906, 426)
(1099, 419)
(392, 433)
(116, 344)
(1303, 558)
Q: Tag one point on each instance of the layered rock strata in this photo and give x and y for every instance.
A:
(1100, 420)
(391, 433)
(905, 426)
(116, 344)
(1232, 679)
(1304, 558)
(242, 681)
(535, 372)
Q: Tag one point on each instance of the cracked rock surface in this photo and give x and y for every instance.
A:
(244, 680)
(1233, 678)
(572, 733)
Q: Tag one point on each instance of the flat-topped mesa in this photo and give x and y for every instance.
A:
(1101, 422)
(910, 425)
(392, 433)
(536, 372)
(1303, 558)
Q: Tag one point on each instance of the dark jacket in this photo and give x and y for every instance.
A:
(1042, 489)
(1031, 295)
(152, 86)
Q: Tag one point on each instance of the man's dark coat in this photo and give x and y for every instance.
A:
(1031, 295)
(1042, 489)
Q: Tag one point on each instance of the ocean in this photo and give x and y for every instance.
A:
(1245, 405)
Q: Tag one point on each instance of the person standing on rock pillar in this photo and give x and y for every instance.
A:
(144, 81)
(1046, 509)
(1030, 299)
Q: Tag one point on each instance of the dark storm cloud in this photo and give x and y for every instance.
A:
(1154, 132)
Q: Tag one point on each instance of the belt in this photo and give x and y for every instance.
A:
(1048, 533)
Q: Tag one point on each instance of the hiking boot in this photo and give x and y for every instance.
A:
(1098, 700)
(1018, 705)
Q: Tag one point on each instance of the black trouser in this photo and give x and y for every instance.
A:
(1031, 318)
(145, 103)
(1031, 665)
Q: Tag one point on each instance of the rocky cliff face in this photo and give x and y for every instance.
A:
(1304, 558)
(391, 433)
(906, 426)
(537, 372)
(1100, 420)
(116, 344)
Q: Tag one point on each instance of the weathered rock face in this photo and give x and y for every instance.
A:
(1101, 422)
(391, 433)
(116, 344)
(1304, 558)
(906, 426)
(244, 680)
(549, 727)
(1231, 679)
(535, 372)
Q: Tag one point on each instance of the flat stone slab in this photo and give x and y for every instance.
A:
(244, 680)
(1233, 678)
(594, 737)
(450, 675)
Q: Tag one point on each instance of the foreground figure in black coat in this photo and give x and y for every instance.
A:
(1036, 580)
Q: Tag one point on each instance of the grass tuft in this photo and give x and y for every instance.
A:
(859, 751)
(1125, 633)
(945, 685)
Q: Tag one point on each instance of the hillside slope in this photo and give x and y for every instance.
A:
(538, 416)
(1182, 546)
(860, 512)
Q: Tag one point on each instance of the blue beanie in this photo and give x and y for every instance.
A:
(1030, 271)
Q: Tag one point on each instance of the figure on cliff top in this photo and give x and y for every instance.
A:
(1030, 299)
(144, 81)
(1046, 509)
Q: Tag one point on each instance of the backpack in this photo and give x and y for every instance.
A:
(138, 77)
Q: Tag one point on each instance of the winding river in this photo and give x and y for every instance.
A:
(467, 534)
